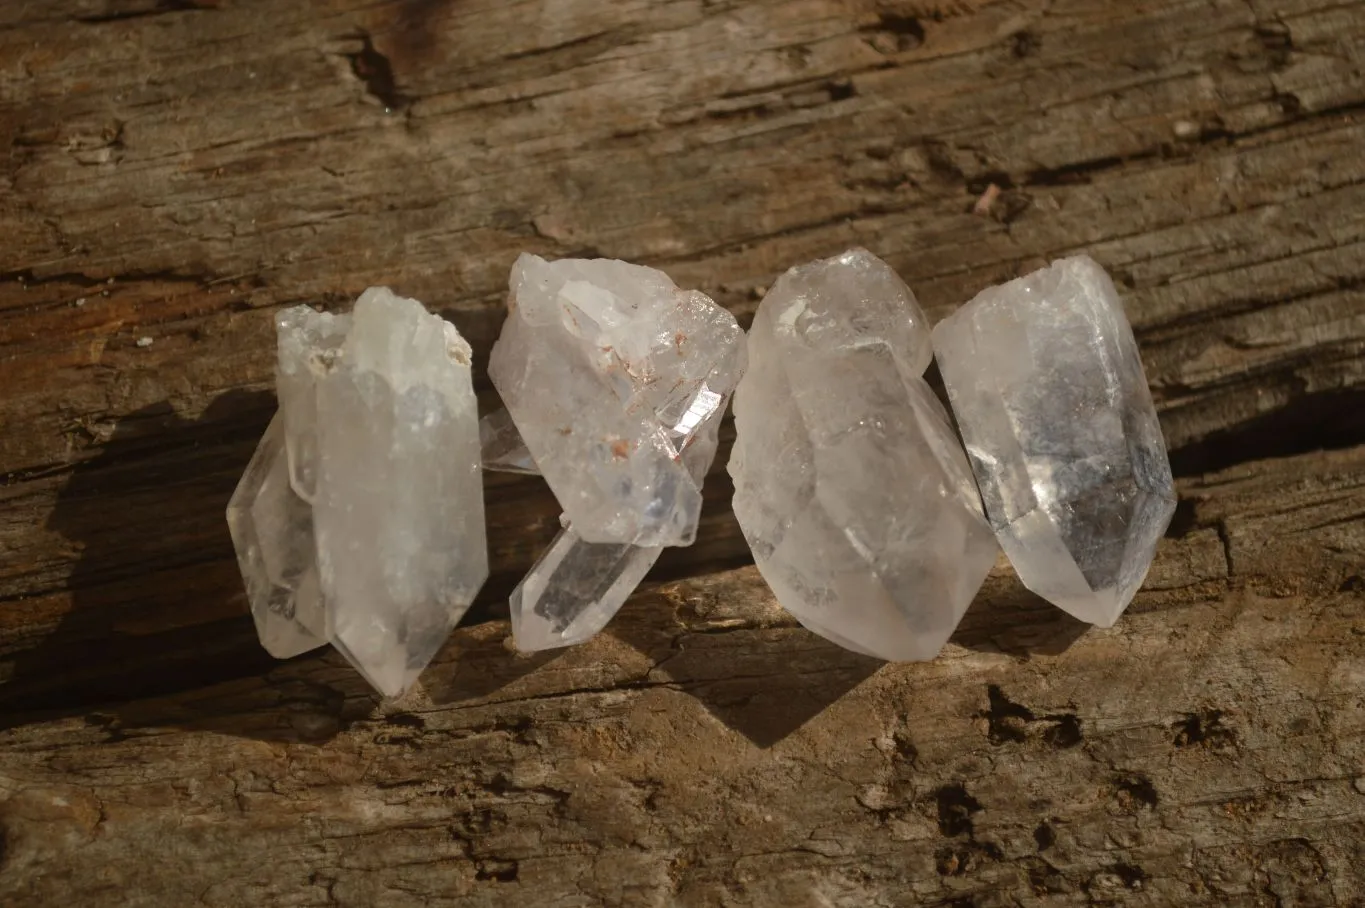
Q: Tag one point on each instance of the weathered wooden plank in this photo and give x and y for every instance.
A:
(203, 213)
(706, 751)
(216, 162)
(176, 171)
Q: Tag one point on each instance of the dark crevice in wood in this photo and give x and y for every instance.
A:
(903, 32)
(609, 37)
(955, 809)
(957, 860)
(1137, 791)
(161, 8)
(26, 278)
(375, 71)
(1131, 875)
(1155, 331)
(1006, 720)
(1045, 836)
(1205, 729)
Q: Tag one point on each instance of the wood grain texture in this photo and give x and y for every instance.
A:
(175, 171)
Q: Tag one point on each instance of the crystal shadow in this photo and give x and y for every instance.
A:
(157, 632)
(154, 606)
(1007, 617)
(763, 682)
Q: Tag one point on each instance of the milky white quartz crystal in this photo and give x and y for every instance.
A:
(360, 521)
(1044, 376)
(615, 382)
(850, 485)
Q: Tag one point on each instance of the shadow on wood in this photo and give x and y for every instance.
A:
(753, 679)
(155, 604)
(1008, 618)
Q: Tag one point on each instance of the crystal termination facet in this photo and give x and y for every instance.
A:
(609, 371)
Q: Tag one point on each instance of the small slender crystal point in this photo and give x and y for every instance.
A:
(272, 531)
(575, 587)
(574, 590)
(850, 485)
(363, 508)
(609, 370)
(1045, 379)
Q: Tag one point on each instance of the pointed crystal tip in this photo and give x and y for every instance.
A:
(574, 590)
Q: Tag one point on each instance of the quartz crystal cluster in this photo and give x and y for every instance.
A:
(850, 484)
(1044, 376)
(360, 519)
(614, 381)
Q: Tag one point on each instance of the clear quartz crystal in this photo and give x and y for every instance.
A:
(373, 517)
(850, 485)
(617, 380)
(574, 589)
(608, 369)
(1045, 378)
(272, 531)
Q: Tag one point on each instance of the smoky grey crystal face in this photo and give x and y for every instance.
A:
(1045, 380)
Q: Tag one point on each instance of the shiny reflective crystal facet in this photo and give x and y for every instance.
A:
(1045, 379)
(503, 449)
(850, 484)
(616, 380)
(365, 498)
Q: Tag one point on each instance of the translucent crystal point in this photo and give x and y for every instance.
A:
(850, 485)
(1048, 388)
(615, 382)
(398, 509)
(272, 531)
(608, 371)
(574, 590)
(363, 508)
